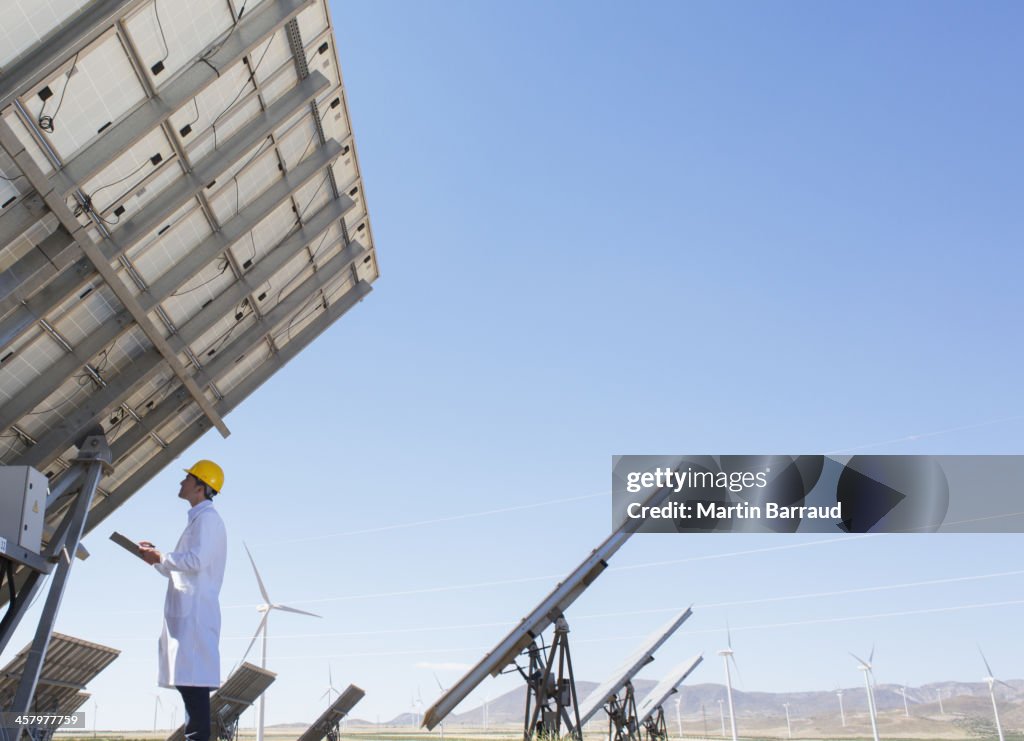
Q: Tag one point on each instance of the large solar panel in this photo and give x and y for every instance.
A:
(630, 667)
(182, 213)
(326, 726)
(70, 665)
(234, 697)
(661, 692)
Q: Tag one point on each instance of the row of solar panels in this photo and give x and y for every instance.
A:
(72, 663)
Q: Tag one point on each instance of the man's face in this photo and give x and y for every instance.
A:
(191, 489)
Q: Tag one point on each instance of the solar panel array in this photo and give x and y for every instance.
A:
(70, 665)
(182, 213)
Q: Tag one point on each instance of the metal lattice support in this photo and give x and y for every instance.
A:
(655, 726)
(550, 689)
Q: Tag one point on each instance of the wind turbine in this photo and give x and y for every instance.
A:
(156, 707)
(721, 714)
(906, 708)
(266, 609)
(679, 719)
(789, 728)
(443, 690)
(727, 655)
(992, 692)
(842, 713)
(938, 691)
(330, 686)
(865, 666)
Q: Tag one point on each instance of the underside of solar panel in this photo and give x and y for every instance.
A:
(182, 213)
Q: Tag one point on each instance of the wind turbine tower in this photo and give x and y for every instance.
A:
(992, 693)
(842, 713)
(265, 609)
(727, 656)
(906, 708)
(865, 666)
(789, 728)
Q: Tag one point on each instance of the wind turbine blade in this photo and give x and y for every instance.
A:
(325, 694)
(866, 664)
(262, 626)
(1010, 686)
(440, 686)
(871, 656)
(739, 676)
(987, 667)
(330, 679)
(728, 634)
(263, 589)
(292, 609)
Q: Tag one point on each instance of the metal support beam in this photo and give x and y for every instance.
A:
(246, 220)
(144, 367)
(22, 279)
(102, 266)
(24, 315)
(94, 457)
(47, 56)
(264, 326)
(177, 194)
(252, 29)
(232, 399)
(44, 385)
(270, 264)
(19, 216)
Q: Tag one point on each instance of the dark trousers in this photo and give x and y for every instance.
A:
(197, 712)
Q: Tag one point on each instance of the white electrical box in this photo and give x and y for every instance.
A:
(23, 493)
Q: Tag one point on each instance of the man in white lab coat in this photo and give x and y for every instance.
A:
(189, 645)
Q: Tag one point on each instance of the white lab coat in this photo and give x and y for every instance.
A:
(188, 647)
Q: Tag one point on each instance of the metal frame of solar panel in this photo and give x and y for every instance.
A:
(651, 713)
(181, 213)
(70, 665)
(622, 713)
(234, 697)
(550, 682)
(326, 726)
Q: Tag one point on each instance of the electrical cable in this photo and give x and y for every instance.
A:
(223, 268)
(160, 26)
(46, 123)
(251, 79)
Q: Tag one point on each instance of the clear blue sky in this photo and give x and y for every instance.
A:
(672, 228)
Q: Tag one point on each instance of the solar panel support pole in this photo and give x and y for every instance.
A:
(622, 716)
(550, 689)
(655, 726)
(94, 459)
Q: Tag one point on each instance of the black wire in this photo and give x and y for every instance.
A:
(46, 122)
(312, 261)
(234, 24)
(223, 268)
(156, 12)
(10, 180)
(251, 79)
(118, 182)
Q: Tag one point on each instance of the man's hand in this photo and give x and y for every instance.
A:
(149, 554)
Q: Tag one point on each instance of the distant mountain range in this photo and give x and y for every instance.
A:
(959, 699)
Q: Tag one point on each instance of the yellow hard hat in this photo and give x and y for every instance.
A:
(209, 473)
